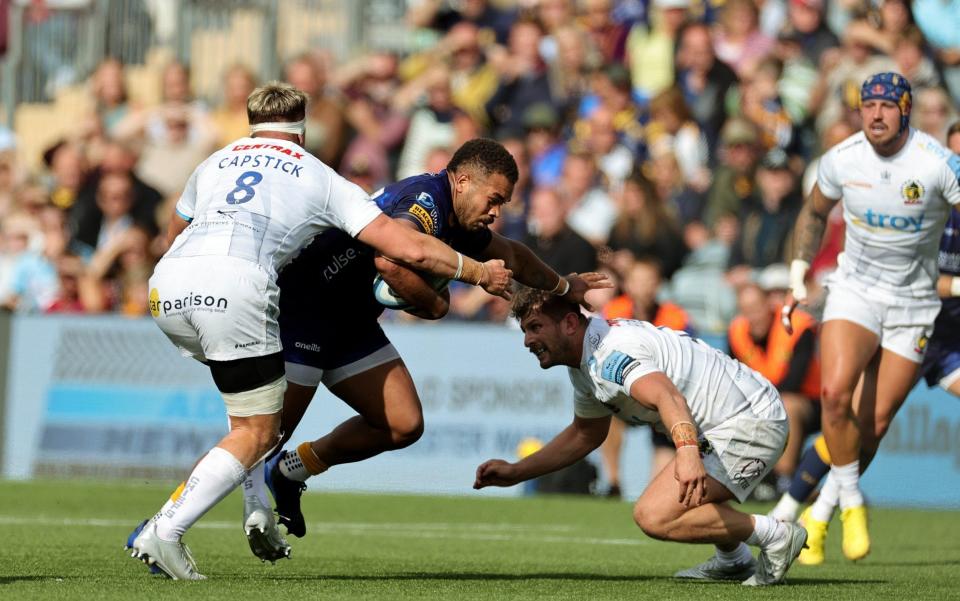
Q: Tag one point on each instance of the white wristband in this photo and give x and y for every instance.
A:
(565, 283)
(955, 286)
(459, 273)
(798, 273)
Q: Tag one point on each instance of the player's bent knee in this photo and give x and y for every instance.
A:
(835, 395)
(836, 402)
(651, 521)
(405, 432)
(268, 437)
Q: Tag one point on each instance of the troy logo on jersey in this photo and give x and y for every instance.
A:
(900, 223)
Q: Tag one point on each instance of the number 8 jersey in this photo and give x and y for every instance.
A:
(263, 199)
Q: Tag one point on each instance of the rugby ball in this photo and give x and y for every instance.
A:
(387, 297)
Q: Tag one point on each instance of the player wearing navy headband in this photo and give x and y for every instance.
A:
(941, 363)
(897, 185)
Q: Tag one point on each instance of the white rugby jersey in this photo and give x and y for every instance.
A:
(619, 352)
(894, 208)
(263, 199)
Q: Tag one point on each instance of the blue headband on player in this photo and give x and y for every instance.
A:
(889, 86)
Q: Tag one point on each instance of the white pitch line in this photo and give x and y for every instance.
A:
(438, 530)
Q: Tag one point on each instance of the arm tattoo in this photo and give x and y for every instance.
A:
(809, 232)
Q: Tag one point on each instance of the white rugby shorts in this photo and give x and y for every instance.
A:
(218, 308)
(903, 325)
(743, 449)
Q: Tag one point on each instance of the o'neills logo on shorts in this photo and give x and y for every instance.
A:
(190, 302)
(308, 346)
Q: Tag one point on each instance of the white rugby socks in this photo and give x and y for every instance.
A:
(211, 480)
(822, 509)
(170, 501)
(786, 509)
(301, 463)
(255, 486)
(766, 532)
(848, 479)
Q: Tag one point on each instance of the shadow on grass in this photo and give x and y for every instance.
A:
(481, 576)
(560, 576)
(791, 581)
(14, 579)
(831, 581)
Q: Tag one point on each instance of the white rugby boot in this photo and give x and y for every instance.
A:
(776, 559)
(262, 532)
(173, 558)
(714, 569)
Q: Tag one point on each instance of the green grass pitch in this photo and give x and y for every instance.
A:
(63, 540)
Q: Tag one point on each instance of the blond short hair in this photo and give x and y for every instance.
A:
(276, 101)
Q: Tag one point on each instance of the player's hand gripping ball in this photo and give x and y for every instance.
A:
(387, 297)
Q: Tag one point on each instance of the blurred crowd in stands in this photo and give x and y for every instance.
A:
(666, 142)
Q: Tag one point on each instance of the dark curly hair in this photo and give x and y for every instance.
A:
(489, 156)
(531, 300)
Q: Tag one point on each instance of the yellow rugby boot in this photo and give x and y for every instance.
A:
(856, 539)
(813, 554)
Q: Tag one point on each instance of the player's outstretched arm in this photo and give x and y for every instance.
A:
(573, 444)
(429, 254)
(807, 236)
(656, 391)
(531, 271)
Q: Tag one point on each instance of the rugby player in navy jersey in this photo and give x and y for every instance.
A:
(328, 314)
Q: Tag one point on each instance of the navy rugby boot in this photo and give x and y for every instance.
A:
(286, 493)
(133, 536)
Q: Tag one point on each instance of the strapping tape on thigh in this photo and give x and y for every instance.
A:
(265, 400)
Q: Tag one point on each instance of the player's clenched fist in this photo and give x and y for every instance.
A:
(495, 472)
(496, 278)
